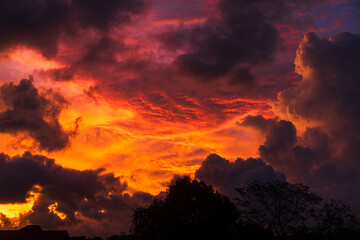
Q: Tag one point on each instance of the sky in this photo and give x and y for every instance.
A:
(102, 103)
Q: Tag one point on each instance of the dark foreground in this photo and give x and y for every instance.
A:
(193, 210)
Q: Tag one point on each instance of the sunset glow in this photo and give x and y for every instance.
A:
(146, 90)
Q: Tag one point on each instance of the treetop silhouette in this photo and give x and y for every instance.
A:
(191, 210)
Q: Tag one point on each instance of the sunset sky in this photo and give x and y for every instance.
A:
(102, 103)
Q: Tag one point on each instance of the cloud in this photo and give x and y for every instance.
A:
(326, 105)
(41, 24)
(89, 202)
(329, 94)
(145, 87)
(230, 45)
(225, 176)
(97, 58)
(136, 70)
(328, 97)
(309, 157)
(280, 149)
(24, 109)
(330, 88)
(258, 122)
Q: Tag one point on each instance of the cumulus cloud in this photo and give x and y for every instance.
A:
(89, 202)
(326, 104)
(258, 122)
(225, 176)
(243, 36)
(41, 24)
(329, 94)
(330, 91)
(24, 109)
(329, 98)
(282, 150)
(310, 158)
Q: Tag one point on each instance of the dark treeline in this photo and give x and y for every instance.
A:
(271, 211)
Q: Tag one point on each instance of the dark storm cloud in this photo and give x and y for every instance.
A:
(20, 173)
(225, 175)
(145, 86)
(281, 151)
(329, 96)
(85, 197)
(312, 159)
(330, 91)
(99, 57)
(325, 155)
(258, 122)
(245, 36)
(244, 78)
(308, 158)
(282, 136)
(24, 109)
(40, 24)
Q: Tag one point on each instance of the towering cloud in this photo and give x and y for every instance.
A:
(243, 36)
(87, 202)
(325, 104)
(24, 109)
(329, 94)
(41, 24)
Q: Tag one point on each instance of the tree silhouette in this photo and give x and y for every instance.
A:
(266, 210)
(122, 236)
(191, 210)
(284, 208)
(335, 219)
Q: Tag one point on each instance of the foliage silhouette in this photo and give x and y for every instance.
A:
(191, 210)
(85, 238)
(286, 209)
(334, 219)
(272, 210)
